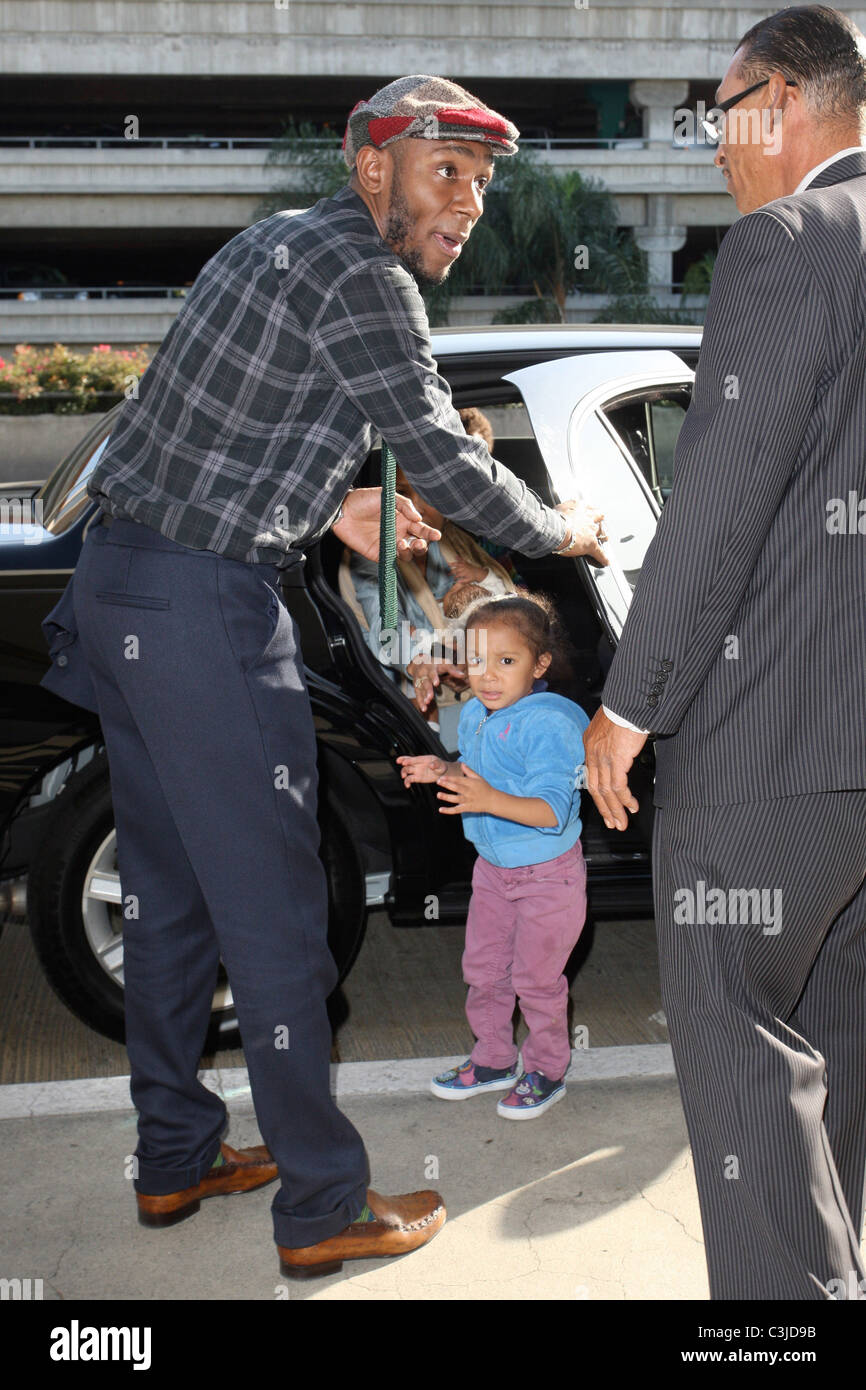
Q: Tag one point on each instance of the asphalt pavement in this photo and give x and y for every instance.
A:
(594, 1200)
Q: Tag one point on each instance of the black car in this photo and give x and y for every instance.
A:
(588, 412)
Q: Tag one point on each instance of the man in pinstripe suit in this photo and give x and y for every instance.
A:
(743, 655)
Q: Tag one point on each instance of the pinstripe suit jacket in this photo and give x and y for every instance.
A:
(745, 647)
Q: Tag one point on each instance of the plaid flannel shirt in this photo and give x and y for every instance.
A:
(301, 337)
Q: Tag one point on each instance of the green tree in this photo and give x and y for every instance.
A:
(697, 278)
(315, 157)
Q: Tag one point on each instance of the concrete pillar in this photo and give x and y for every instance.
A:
(659, 237)
(658, 101)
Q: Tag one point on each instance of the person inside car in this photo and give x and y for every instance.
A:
(433, 586)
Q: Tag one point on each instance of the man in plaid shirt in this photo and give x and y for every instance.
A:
(300, 338)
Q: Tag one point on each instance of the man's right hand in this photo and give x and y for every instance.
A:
(587, 530)
(358, 528)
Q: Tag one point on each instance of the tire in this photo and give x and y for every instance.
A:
(75, 915)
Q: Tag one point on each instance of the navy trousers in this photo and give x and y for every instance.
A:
(198, 677)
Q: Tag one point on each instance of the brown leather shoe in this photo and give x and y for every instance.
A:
(401, 1225)
(241, 1171)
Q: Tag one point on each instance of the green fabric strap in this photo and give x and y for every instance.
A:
(388, 542)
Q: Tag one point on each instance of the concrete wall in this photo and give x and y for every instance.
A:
(142, 187)
(82, 323)
(603, 39)
(31, 446)
(659, 46)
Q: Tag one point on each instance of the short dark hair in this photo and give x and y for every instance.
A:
(476, 422)
(819, 48)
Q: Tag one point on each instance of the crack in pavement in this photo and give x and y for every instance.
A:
(662, 1211)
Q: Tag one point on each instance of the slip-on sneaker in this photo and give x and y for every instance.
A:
(533, 1094)
(401, 1224)
(241, 1170)
(469, 1080)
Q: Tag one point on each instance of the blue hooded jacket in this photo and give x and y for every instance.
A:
(531, 748)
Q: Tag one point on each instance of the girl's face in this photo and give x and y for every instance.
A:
(500, 665)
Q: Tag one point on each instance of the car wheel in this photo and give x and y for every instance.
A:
(76, 919)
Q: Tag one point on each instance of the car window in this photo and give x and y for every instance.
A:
(666, 418)
(649, 428)
(509, 421)
(606, 478)
(609, 477)
(64, 505)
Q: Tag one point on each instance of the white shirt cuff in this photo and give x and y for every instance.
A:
(623, 723)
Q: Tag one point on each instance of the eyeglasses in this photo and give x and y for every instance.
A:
(714, 125)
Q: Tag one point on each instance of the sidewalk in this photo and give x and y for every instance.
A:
(596, 1200)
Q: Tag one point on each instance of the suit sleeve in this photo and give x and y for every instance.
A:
(761, 357)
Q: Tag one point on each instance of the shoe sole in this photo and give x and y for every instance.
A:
(310, 1271)
(529, 1113)
(160, 1219)
(466, 1092)
(318, 1271)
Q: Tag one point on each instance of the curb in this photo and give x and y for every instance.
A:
(32, 1100)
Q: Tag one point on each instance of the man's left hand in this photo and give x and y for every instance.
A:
(358, 527)
(609, 751)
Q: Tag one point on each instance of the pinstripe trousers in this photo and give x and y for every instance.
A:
(761, 920)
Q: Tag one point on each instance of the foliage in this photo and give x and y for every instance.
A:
(644, 308)
(699, 275)
(316, 159)
(43, 380)
(552, 235)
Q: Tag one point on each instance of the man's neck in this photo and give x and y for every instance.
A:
(370, 203)
(818, 152)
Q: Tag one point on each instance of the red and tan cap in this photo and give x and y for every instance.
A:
(426, 108)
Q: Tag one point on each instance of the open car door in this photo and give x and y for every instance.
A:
(606, 424)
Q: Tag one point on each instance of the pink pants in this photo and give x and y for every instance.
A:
(522, 926)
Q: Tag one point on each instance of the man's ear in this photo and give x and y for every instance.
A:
(778, 91)
(373, 169)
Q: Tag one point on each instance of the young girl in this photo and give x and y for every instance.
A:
(516, 786)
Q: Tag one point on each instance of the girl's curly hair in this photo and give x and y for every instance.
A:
(535, 618)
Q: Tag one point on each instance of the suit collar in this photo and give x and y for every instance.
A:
(851, 167)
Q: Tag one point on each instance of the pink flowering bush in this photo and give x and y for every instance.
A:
(42, 380)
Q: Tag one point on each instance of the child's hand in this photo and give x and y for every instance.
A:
(466, 572)
(427, 675)
(425, 767)
(467, 793)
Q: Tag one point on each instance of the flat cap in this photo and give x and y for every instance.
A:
(427, 108)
